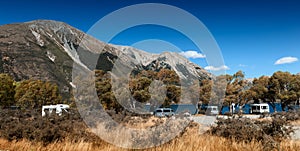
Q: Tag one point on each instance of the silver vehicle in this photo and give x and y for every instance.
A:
(213, 110)
(164, 112)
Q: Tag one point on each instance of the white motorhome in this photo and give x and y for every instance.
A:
(260, 108)
(58, 109)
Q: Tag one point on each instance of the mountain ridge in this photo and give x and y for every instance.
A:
(47, 49)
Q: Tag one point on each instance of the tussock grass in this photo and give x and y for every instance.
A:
(29, 132)
(190, 141)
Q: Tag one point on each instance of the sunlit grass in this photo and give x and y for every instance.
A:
(190, 141)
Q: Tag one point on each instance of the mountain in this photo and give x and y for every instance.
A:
(170, 60)
(46, 49)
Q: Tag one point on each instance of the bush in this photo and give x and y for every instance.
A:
(269, 132)
(288, 116)
(30, 125)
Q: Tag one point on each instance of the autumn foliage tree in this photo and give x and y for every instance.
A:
(259, 90)
(35, 93)
(7, 90)
(205, 91)
(236, 85)
(284, 86)
(104, 91)
(139, 88)
(139, 85)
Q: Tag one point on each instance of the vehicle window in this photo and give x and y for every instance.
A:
(159, 111)
(264, 107)
(167, 110)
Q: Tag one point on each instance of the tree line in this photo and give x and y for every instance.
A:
(139, 86)
(27, 94)
(282, 87)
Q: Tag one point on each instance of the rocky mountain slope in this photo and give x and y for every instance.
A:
(45, 49)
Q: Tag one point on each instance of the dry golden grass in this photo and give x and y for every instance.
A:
(296, 123)
(190, 141)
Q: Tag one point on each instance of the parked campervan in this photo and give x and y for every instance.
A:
(260, 108)
(164, 112)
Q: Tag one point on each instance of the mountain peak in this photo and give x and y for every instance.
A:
(51, 24)
(47, 49)
(45, 21)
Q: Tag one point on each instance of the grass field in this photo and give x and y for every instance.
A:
(71, 134)
(190, 141)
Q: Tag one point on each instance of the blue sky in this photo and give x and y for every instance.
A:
(252, 35)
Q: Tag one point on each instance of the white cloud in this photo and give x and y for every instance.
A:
(212, 68)
(286, 60)
(242, 65)
(192, 54)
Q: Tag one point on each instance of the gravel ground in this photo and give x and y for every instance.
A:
(296, 134)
